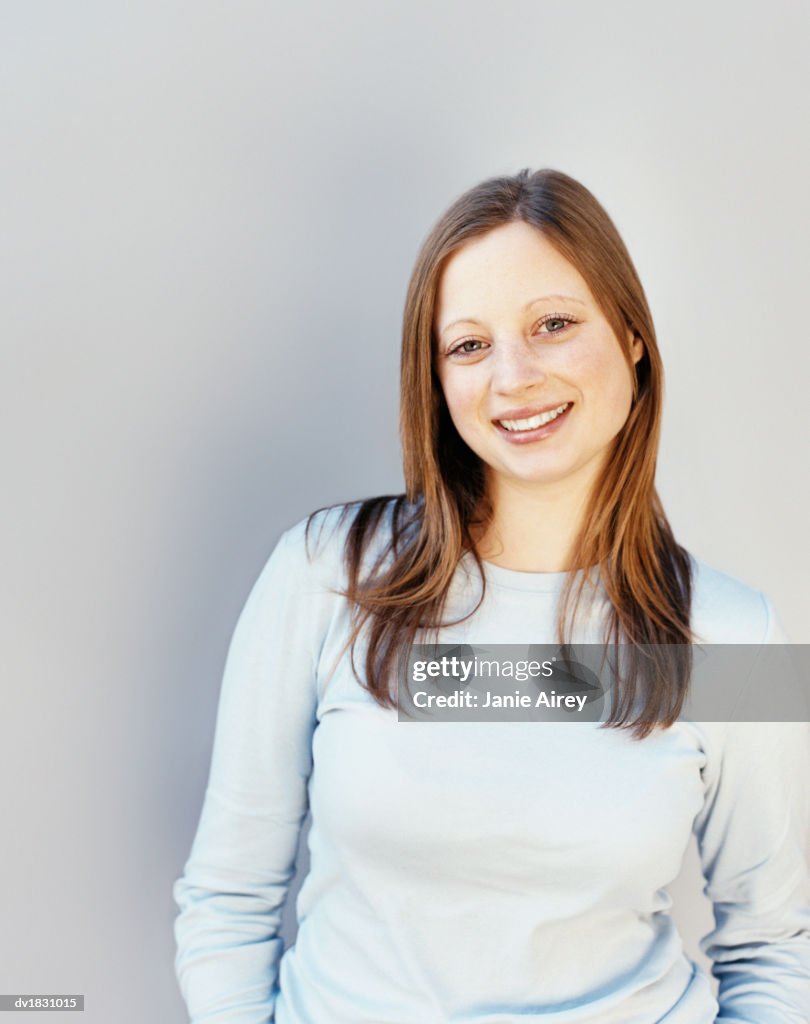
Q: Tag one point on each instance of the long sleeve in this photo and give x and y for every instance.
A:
(752, 836)
(236, 878)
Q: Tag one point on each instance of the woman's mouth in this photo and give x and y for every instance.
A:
(533, 428)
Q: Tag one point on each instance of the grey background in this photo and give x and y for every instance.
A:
(209, 214)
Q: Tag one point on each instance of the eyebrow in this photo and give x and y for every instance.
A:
(542, 298)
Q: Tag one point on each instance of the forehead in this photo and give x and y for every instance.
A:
(507, 266)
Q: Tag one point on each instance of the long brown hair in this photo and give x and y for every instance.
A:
(646, 575)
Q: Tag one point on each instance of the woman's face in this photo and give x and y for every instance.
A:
(534, 378)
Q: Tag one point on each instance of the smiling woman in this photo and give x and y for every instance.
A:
(524, 299)
(500, 871)
(550, 369)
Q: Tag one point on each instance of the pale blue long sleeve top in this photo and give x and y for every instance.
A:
(486, 872)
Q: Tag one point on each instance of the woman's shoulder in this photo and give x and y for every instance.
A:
(321, 538)
(726, 610)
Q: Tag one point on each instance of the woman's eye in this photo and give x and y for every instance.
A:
(556, 324)
(462, 348)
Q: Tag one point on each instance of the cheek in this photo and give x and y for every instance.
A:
(605, 380)
(619, 388)
(461, 393)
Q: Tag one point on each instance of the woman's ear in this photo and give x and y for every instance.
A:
(636, 346)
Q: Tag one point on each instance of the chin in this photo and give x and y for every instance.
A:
(547, 468)
(541, 478)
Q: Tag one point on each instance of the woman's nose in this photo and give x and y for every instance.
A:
(516, 367)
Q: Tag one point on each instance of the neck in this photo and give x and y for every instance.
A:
(533, 529)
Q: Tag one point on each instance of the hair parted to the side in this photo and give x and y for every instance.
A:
(646, 575)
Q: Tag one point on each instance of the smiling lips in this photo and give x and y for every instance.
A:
(524, 425)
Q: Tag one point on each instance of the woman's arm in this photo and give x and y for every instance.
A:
(753, 839)
(234, 884)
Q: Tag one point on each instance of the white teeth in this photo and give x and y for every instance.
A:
(535, 421)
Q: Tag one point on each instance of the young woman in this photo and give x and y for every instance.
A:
(496, 872)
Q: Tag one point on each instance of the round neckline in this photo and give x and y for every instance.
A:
(518, 579)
